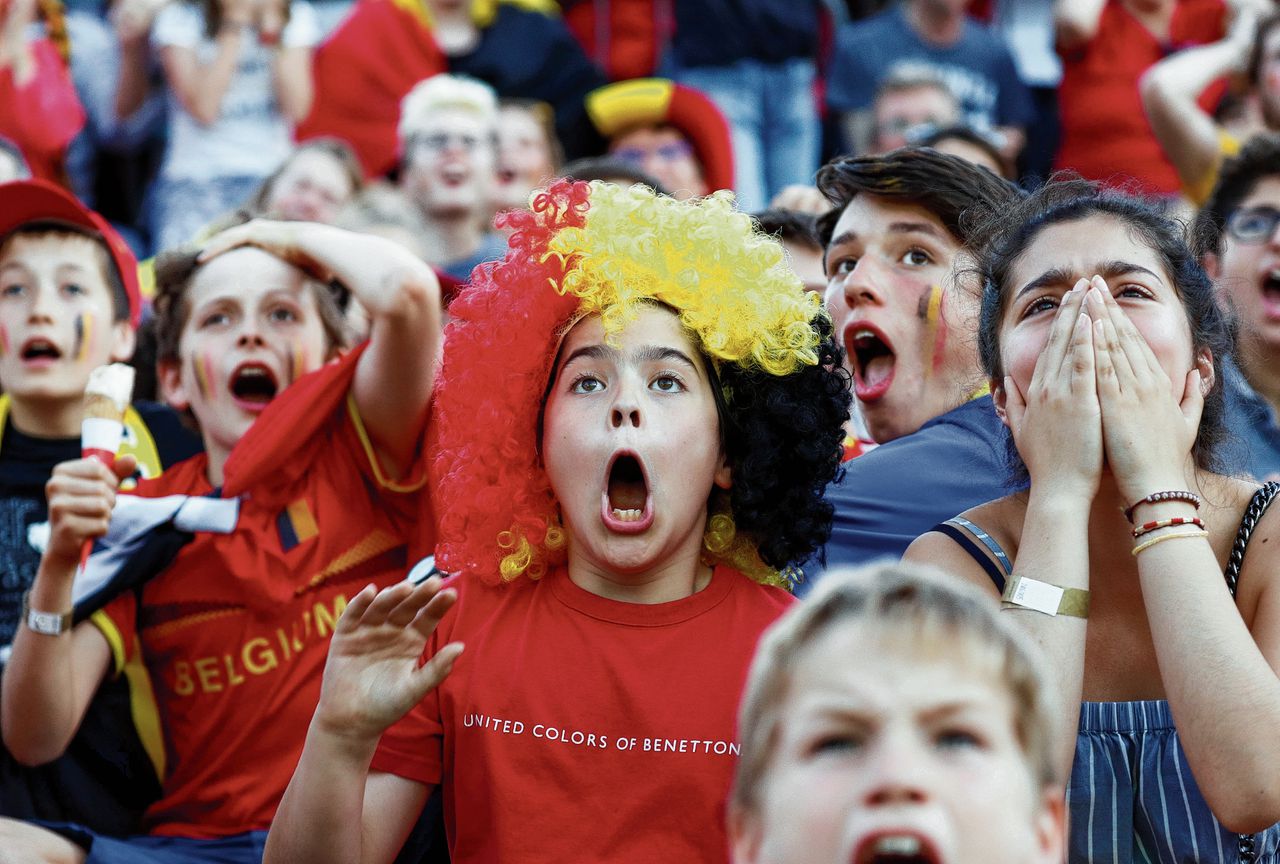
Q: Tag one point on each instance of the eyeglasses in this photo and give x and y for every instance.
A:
(439, 142)
(669, 152)
(1254, 225)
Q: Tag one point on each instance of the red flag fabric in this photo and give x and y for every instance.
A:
(42, 115)
(363, 70)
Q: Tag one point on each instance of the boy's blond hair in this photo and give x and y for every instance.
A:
(442, 93)
(930, 614)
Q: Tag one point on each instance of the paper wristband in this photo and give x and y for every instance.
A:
(1043, 597)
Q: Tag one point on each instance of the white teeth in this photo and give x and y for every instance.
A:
(863, 334)
(253, 371)
(898, 844)
(627, 515)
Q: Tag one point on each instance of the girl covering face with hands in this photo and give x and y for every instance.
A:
(1103, 342)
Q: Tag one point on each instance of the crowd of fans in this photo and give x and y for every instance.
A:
(498, 487)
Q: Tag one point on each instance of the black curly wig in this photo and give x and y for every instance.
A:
(784, 439)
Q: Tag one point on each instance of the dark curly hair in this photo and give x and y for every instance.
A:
(598, 249)
(1069, 198)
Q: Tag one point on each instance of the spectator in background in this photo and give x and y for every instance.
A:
(1241, 221)
(756, 61)
(666, 130)
(610, 170)
(908, 98)
(12, 165)
(1027, 28)
(1192, 140)
(798, 234)
(239, 74)
(39, 109)
(449, 146)
(895, 246)
(385, 47)
(529, 154)
(313, 185)
(1106, 46)
(938, 36)
(969, 145)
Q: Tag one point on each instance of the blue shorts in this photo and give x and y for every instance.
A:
(240, 849)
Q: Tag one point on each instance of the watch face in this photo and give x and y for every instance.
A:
(48, 623)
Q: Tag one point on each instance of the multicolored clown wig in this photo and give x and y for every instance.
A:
(598, 249)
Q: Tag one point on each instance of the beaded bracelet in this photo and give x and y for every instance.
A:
(1156, 497)
(1163, 537)
(1156, 525)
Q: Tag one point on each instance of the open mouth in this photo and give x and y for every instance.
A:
(626, 504)
(872, 359)
(35, 350)
(1271, 291)
(896, 848)
(254, 386)
(506, 176)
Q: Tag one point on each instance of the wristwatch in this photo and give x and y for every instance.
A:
(46, 623)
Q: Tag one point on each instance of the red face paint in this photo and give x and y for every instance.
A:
(4, 341)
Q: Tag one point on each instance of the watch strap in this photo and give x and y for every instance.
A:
(46, 623)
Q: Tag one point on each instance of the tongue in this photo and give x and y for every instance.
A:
(627, 495)
(877, 370)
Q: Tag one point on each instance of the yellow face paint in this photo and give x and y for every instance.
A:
(298, 363)
(935, 336)
(84, 336)
(204, 376)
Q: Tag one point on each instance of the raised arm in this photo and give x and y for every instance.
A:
(290, 63)
(333, 810)
(200, 87)
(1170, 88)
(1221, 680)
(50, 679)
(1057, 427)
(402, 296)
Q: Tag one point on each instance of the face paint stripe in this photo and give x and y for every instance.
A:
(84, 335)
(203, 376)
(4, 341)
(935, 334)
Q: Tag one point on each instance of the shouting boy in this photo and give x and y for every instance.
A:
(233, 632)
(894, 717)
(69, 303)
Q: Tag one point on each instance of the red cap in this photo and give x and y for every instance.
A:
(24, 201)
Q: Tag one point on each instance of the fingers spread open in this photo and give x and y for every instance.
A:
(430, 615)
(353, 615)
(388, 599)
(431, 673)
(408, 608)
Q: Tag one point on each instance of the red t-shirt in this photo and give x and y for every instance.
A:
(577, 728)
(235, 631)
(1105, 133)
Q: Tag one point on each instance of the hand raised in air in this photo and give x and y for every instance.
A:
(374, 673)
